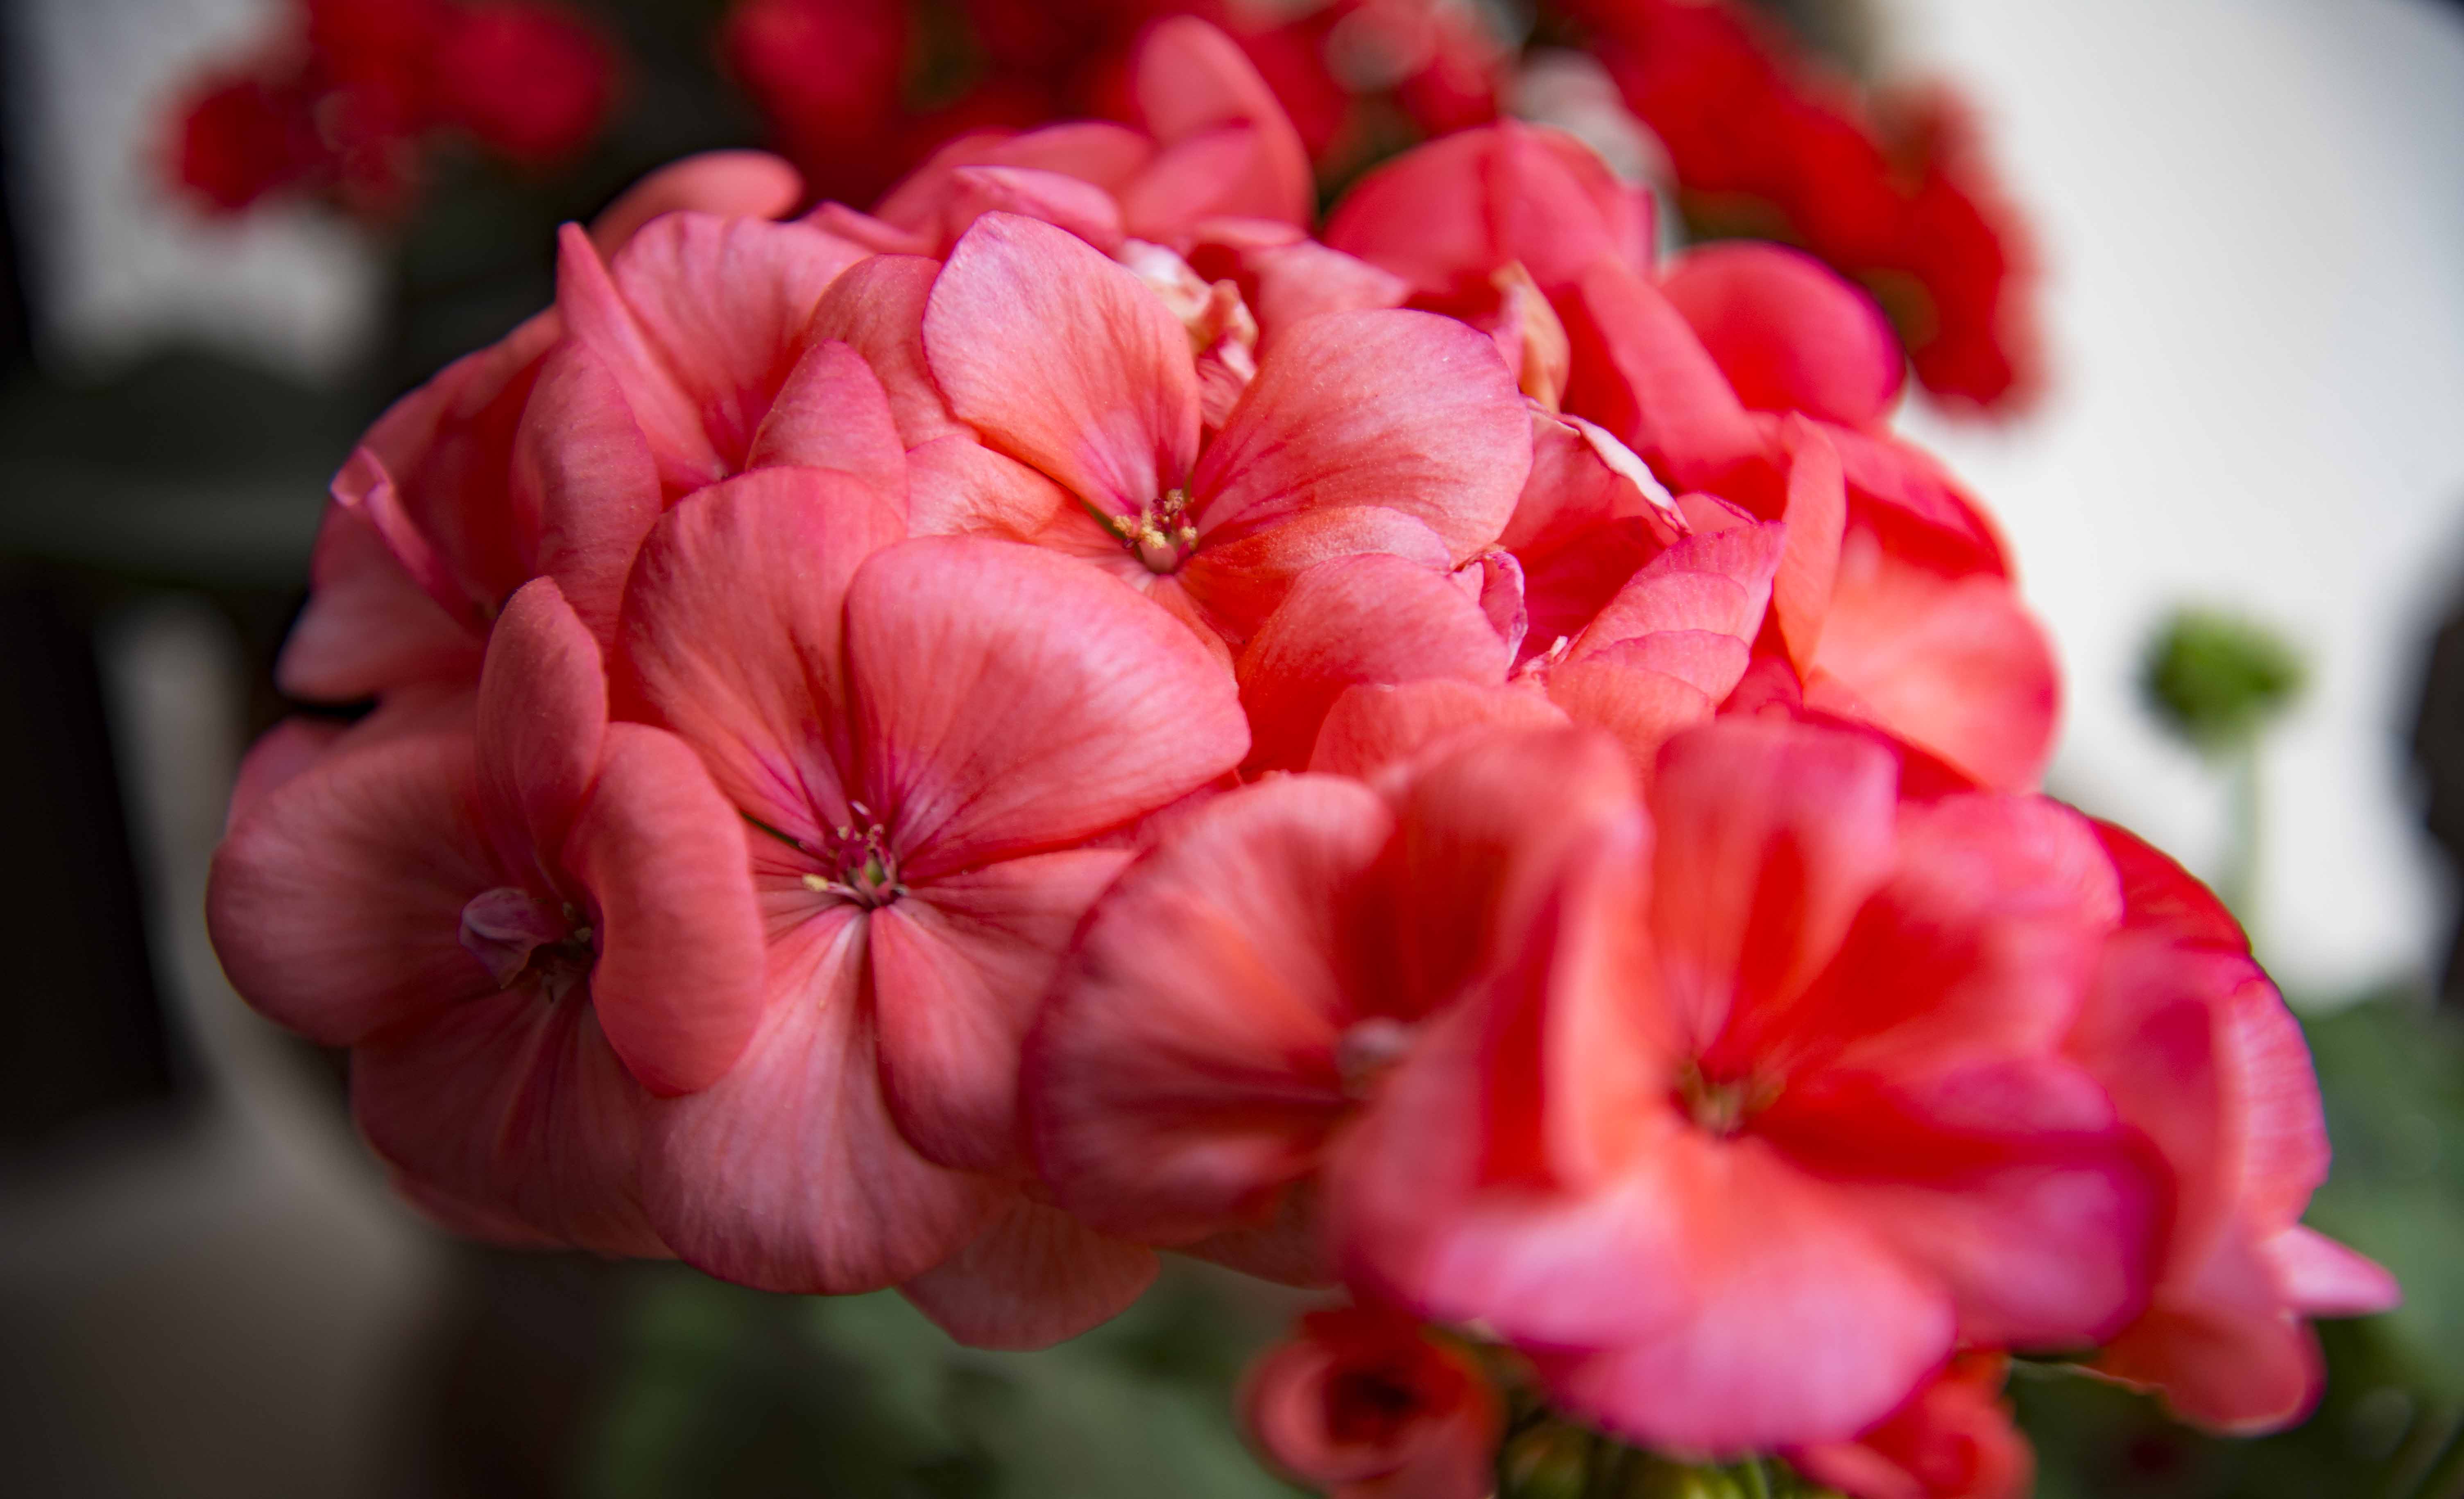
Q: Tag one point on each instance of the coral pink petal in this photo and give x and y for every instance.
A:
(517, 1103)
(1640, 372)
(1576, 489)
(1191, 79)
(1447, 215)
(2008, 1179)
(832, 413)
(679, 984)
(1240, 583)
(287, 751)
(1370, 728)
(1981, 944)
(1183, 1074)
(368, 623)
(1361, 619)
(582, 462)
(1475, 1185)
(1716, 584)
(877, 309)
(336, 902)
(1954, 665)
(1484, 833)
(1064, 361)
(1787, 332)
(957, 968)
(751, 185)
(543, 713)
(2322, 1278)
(1771, 836)
(2222, 1347)
(1425, 216)
(787, 1174)
(2281, 1117)
(1898, 476)
(1620, 690)
(595, 314)
(733, 628)
(1807, 1326)
(956, 485)
(1009, 699)
(1032, 1278)
(1809, 564)
(724, 304)
(1285, 283)
(1056, 198)
(1326, 424)
(464, 1218)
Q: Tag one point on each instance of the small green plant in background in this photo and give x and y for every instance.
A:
(2218, 682)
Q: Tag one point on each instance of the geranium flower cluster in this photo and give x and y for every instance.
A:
(344, 102)
(1888, 186)
(966, 745)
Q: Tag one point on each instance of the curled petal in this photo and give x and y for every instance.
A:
(679, 984)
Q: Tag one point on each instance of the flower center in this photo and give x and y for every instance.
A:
(868, 871)
(522, 939)
(1160, 536)
(1369, 1049)
(1722, 1105)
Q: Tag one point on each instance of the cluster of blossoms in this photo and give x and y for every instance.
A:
(1760, 138)
(962, 746)
(343, 103)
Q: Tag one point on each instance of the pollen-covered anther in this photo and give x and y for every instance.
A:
(1161, 536)
(1721, 1106)
(867, 870)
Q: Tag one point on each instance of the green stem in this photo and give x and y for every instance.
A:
(1757, 1479)
(2238, 880)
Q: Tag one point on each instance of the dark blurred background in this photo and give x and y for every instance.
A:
(2254, 219)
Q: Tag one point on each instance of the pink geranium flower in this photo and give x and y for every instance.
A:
(462, 492)
(926, 736)
(1721, 371)
(1066, 362)
(1235, 998)
(524, 928)
(1361, 1403)
(2201, 1053)
(1771, 1113)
